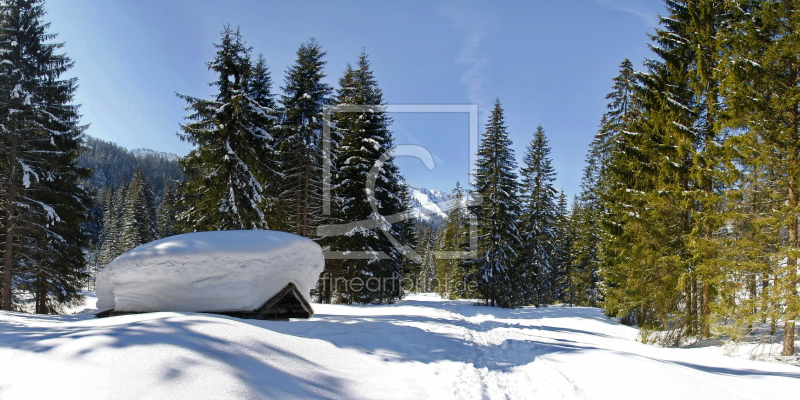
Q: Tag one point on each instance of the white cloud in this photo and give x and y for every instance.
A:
(470, 19)
(637, 8)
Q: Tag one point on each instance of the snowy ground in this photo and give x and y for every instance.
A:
(423, 347)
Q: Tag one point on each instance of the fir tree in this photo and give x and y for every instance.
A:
(453, 237)
(586, 218)
(539, 223)
(498, 240)
(364, 156)
(762, 84)
(423, 275)
(167, 210)
(44, 206)
(665, 183)
(622, 153)
(138, 214)
(260, 90)
(227, 174)
(303, 100)
(563, 284)
(112, 245)
(616, 169)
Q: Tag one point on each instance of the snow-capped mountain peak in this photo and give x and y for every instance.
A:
(429, 205)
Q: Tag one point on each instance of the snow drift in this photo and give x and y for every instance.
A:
(209, 271)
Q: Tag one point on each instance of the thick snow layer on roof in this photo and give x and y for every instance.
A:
(209, 271)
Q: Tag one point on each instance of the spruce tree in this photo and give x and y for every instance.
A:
(563, 284)
(113, 245)
(260, 85)
(665, 181)
(138, 214)
(423, 275)
(167, 210)
(109, 231)
(260, 90)
(706, 174)
(453, 237)
(762, 78)
(301, 148)
(498, 236)
(588, 238)
(364, 155)
(683, 107)
(579, 286)
(44, 206)
(623, 153)
(227, 174)
(539, 222)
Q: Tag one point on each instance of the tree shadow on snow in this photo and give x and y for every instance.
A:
(215, 352)
(729, 371)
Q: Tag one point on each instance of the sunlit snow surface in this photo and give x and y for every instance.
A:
(209, 271)
(423, 347)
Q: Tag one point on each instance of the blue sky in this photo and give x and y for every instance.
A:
(549, 63)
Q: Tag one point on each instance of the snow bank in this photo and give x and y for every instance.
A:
(209, 271)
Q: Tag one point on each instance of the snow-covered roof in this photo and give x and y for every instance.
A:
(209, 271)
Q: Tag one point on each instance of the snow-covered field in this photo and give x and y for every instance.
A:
(423, 347)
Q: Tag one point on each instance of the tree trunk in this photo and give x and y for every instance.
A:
(791, 260)
(298, 199)
(705, 296)
(791, 277)
(41, 294)
(691, 309)
(764, 298)
(8, 256)
(773, 326)
(307, 184)
(705, 310)
(751, 288)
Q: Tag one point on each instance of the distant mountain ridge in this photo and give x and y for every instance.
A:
(113, 164)
(153, 153)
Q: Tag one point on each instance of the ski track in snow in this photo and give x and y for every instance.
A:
(422, 347)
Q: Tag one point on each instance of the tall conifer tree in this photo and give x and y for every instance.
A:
(498, 241)
(44, 206)
(363, 157)
(562, 255)
(138, 213)
(227, 173)
(304, 98)
(762, 83)
(167, 210)
(539, 222)
(454, 236)
(586, 222)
